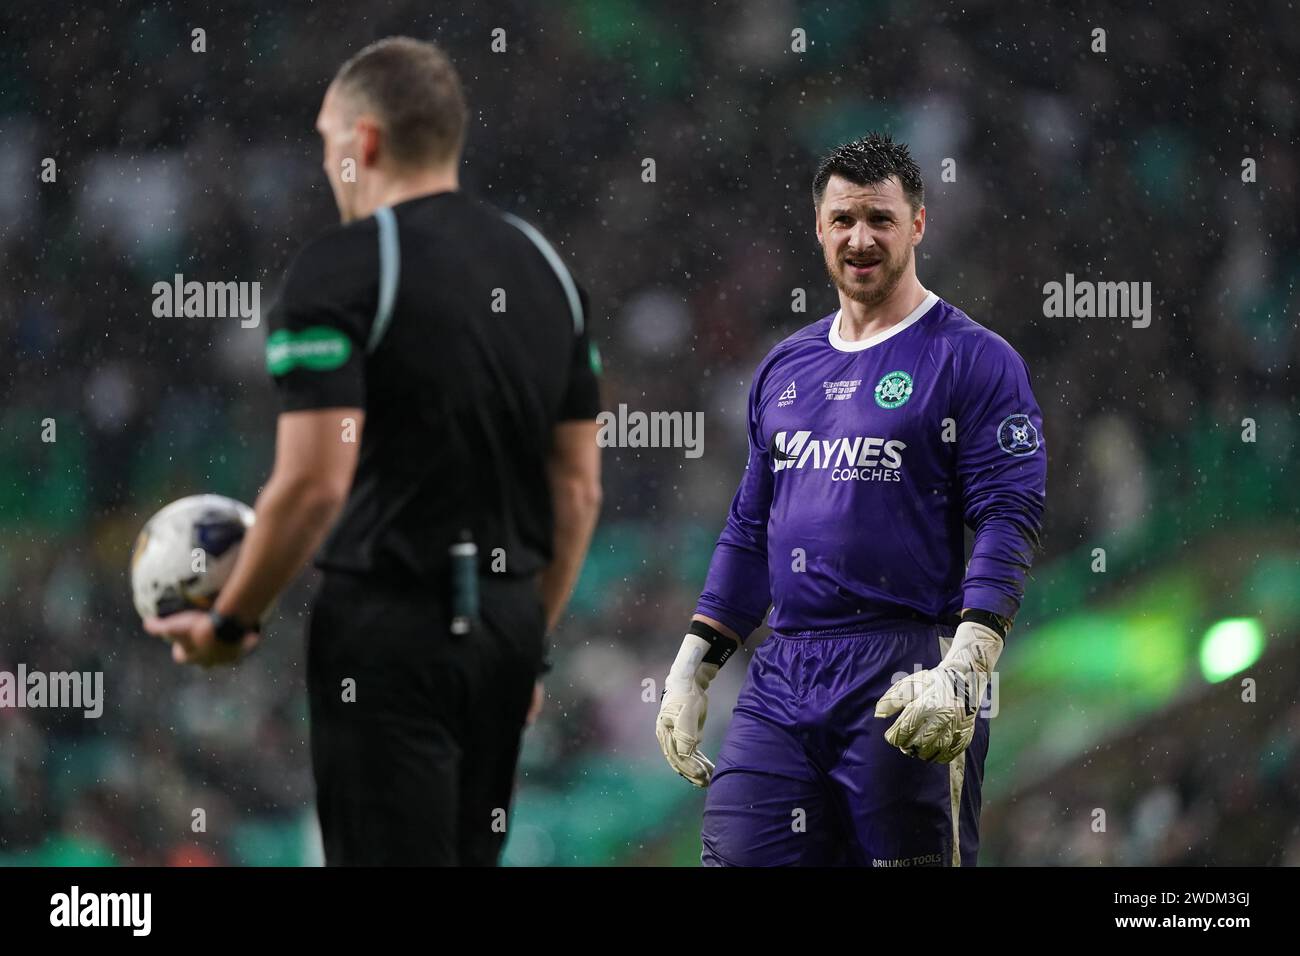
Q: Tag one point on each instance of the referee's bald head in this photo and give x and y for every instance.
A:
(393, 125)
(414, 91)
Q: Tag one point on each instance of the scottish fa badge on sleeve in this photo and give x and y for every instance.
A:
(1017, 435)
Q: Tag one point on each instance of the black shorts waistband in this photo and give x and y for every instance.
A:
(413, 589)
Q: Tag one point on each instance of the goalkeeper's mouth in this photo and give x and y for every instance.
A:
(861, 267)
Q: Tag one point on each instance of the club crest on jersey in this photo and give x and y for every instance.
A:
(894, 390)
(1017, 435)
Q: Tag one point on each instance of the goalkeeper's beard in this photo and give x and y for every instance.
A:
(891, 274)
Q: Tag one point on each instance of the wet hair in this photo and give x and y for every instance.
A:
(870, 160)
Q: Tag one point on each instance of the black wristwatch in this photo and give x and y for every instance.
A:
(230, 630)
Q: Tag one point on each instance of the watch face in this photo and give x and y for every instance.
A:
(227, 629)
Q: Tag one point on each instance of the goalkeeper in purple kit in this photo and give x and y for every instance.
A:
(875, 435)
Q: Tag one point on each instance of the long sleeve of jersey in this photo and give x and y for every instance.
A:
(1002, 474)
(737, 591)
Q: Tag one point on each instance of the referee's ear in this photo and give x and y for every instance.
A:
(369, 136)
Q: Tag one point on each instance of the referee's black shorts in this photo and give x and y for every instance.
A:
(415, 732)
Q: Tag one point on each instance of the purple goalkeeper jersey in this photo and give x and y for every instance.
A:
(865, 461)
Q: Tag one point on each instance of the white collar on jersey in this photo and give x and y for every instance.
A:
(913, 317)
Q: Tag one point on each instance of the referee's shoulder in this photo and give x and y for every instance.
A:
(341, 256)
(513, 233)
(342, 239)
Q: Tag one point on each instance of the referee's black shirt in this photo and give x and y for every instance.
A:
(485, 349)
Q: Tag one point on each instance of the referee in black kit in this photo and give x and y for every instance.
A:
(439, 397)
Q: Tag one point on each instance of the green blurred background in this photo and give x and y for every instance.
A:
(1120, 690)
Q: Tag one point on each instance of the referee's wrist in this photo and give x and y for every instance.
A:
(229, 629)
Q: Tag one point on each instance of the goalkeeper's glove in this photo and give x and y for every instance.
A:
(685, 701)
(939, 705)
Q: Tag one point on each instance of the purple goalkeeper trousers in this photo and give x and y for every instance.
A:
(805, 777)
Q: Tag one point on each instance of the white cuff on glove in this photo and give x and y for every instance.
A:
(682, 711)
(937, 707)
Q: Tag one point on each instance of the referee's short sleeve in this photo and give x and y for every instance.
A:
(317, 331)
(582, 393)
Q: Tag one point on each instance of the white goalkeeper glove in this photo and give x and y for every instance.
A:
(685, 704)
(939, 705)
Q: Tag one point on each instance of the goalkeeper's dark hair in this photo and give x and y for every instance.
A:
(870, 160)
(413, 89)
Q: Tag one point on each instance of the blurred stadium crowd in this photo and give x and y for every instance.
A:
(1209, 782)
(1122, 166)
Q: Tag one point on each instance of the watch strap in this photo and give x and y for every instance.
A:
(229, 630)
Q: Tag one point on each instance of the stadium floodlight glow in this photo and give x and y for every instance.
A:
(1230, 646)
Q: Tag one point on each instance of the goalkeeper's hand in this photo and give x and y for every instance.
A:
(682, 709)
(938, 706)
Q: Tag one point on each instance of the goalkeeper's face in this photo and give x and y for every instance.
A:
(867, 234)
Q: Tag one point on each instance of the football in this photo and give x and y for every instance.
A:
(185, 553)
